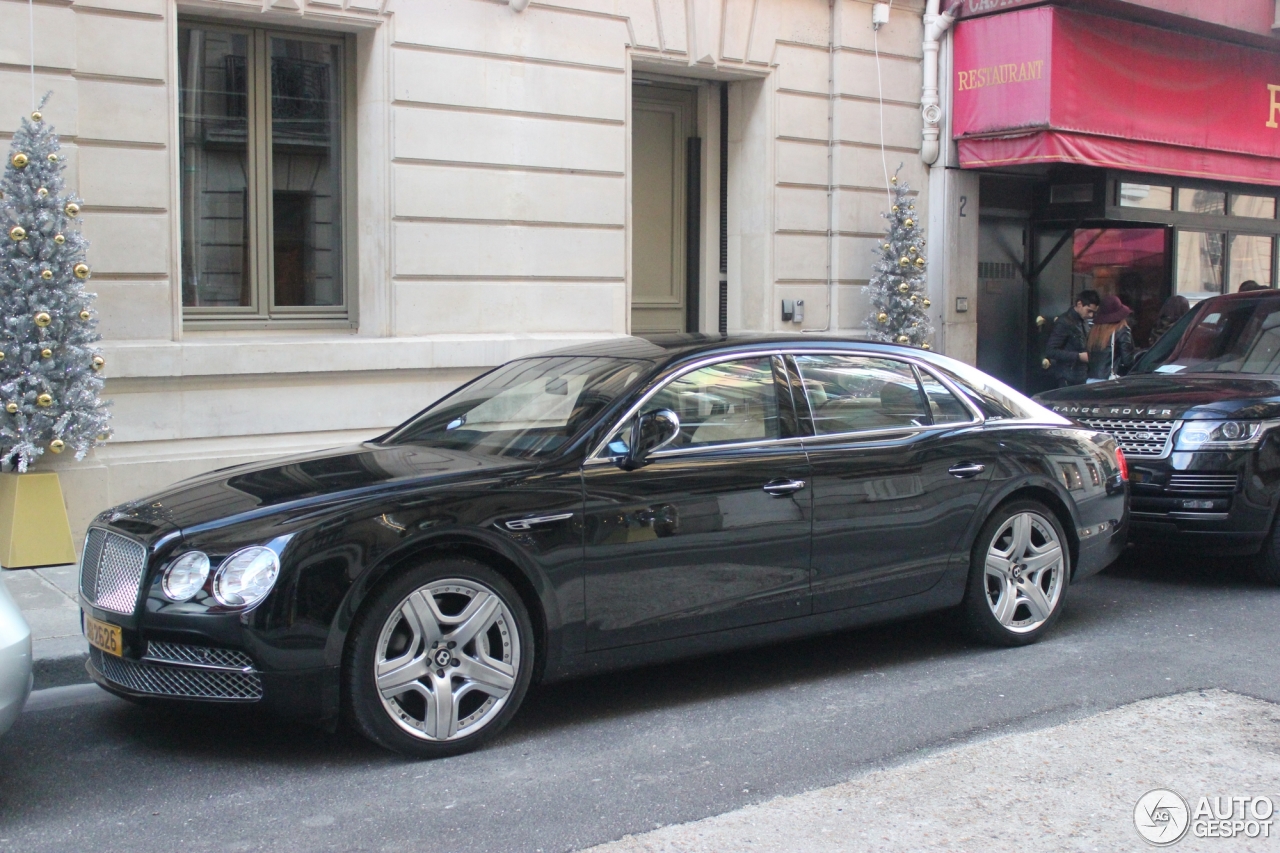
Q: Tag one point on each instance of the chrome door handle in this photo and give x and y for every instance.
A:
(782, 488)
(965, 470)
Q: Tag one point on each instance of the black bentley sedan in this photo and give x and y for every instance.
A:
(1197, 417)
(601, 507)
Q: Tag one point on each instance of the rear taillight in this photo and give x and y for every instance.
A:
(1122, 464)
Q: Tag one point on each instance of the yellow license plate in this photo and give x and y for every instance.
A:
(103, 636)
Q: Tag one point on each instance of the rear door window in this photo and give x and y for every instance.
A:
(849, 394)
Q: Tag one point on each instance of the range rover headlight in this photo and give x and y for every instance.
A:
(1220, 435)
(246, 576)
(185, 576)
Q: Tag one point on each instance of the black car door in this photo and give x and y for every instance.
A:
(712, 533)
(899, 465)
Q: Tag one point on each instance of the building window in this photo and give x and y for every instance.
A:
(263, 149)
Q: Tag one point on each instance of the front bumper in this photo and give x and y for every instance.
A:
(226, 665)
(1219, 501)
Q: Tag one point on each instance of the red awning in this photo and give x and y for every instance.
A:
(1050, 85)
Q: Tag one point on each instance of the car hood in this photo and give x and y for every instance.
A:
(1167, 396)
(300, 483)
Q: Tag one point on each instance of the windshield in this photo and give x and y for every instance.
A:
(1221, 336)
(524, 409)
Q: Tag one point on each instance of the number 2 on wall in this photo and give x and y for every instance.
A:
(964, 201)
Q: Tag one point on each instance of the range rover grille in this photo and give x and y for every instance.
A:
(111, 570)
(1136, 438)
(1203, 483)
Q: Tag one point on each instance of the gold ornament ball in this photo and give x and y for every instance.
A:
(18, 160)
(35, 116)
(47, 275)
(17, 232)
(894, 180)
(81, 270)
(53, 158)
(1, 356)
(102, 436)
(99, 362)
(911, 250)
(904, 287)
(895, 208)
(56, 445)
(927, 303)
(42, 192)
(11, 408)
(46, 353)
(44, 400)
(882, 317)
(72, 209)
(920, 262)
(59, 239)
(902, 339)
(85, 315)
(925, 346)
(1046, 364)
(43, 319)
(908, 222)
(904, 261)
(913, 299)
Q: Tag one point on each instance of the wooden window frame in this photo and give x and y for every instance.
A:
(262, 311)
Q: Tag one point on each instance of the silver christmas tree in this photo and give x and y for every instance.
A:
(897, 290)
(49, 369)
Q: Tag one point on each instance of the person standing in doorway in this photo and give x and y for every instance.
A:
(1110, 341)
(1068, 348)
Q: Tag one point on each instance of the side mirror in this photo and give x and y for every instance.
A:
(649, 432)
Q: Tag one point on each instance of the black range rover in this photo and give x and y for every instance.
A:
(1199, 420)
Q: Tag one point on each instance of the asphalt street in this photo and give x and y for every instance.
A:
(590, 761)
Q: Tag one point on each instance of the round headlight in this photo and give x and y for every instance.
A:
(246, 576)
(185, 576)
(1232, 430)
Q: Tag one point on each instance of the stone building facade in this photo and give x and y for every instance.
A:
(310, 218)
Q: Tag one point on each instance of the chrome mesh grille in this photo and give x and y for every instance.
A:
(111, 570)
(1203, 484)
(200, 655)
(176, 681)
(1137, 438)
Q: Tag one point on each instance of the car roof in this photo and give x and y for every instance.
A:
(668, 348)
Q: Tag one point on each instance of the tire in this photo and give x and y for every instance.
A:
(408, 631)
(1267, 564)
(1001, 606)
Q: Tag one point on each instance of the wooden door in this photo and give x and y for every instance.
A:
(662, 120)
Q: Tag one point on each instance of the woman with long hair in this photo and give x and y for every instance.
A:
(1171, 312)
(1110, 341)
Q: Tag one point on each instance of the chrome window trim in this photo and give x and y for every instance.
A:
(596, 457)
(911, 432)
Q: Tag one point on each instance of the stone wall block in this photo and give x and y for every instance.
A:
(55, 46)
(481, 250)
(124, 177)
(452, 192)
(464, 137)
(121, 47)
(123, 112)
(133, 310)
(443, 307)
(127, 243)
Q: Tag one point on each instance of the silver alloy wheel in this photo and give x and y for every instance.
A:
(1024, 571)
(447, 659)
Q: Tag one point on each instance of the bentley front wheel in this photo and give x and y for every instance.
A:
(440, 661)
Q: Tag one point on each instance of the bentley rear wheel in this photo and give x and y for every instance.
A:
(1018, 577)
(440, 660)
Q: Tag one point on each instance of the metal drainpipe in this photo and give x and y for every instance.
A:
(831, 167)
(935, 26)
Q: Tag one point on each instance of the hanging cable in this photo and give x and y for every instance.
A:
(884, 163)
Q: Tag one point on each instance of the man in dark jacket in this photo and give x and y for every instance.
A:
(1068, 347)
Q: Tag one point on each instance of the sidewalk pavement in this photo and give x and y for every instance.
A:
(1072, 787)
(48, 599)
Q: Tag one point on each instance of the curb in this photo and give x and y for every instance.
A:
(59, 672)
